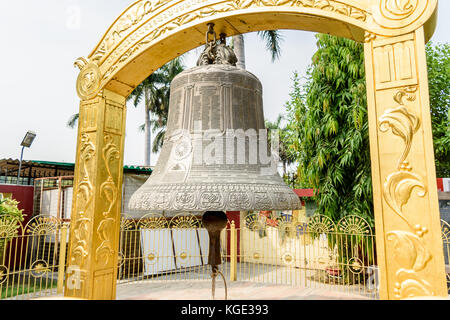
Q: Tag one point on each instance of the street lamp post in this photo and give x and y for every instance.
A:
(26, 143)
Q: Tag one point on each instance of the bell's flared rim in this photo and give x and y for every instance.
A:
(178, 198)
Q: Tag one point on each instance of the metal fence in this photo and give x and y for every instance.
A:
(274, 249)
(269, 249)
(156, 248)
(315, 254)
(32, 257)
(445, 229)
(53, 197)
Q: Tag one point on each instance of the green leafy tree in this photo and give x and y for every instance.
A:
(330, 129)
(438, 61)
(330, 139)
(297, 112)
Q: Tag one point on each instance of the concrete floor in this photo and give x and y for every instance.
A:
(240, 290)
(262, 283)
(256, 282)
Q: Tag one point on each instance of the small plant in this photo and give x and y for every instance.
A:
(10, 216)
(9, 207)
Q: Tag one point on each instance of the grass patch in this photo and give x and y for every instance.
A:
(27, 288)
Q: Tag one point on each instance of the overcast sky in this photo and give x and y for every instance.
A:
(43, 38)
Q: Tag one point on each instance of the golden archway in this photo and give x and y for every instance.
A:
(150, 33)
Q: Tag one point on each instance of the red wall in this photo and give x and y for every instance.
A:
(440, 184)
(236, 217)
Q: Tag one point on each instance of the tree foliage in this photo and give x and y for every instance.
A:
(329, 129)
(273, 40)
(9, 208)
(155, 91)
(286, 158)
(438, 61)
(9, 214)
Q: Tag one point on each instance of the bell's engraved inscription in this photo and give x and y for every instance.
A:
(222, 162)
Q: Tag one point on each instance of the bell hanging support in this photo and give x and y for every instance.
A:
(215, 222)
(216, 53)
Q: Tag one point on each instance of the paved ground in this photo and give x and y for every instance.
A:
(241, 290)
(261, 282)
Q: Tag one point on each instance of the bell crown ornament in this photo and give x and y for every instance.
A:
(215, 155)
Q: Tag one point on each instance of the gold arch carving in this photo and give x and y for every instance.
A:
(146, 28)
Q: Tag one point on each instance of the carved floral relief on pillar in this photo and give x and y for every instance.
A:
(96, 215)
(410, 249)
(109, 193)
(84, 197)
(401, 141)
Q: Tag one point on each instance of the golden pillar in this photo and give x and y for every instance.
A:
(94, 236)
(409, 244)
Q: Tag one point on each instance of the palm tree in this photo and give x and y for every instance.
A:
(73, 120)
(155, 92)
(272, 38)
(149, 91)
(285, 156)
(158, 124)
(159, 127)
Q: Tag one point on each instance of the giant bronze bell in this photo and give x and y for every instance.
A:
(211, 157)
(214, 157)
